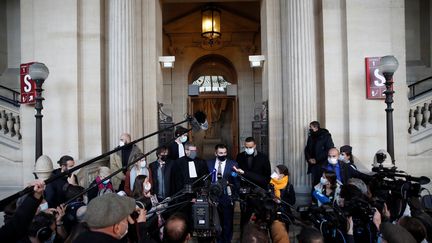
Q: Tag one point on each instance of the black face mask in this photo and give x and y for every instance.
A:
(164, 157)
(221, 158)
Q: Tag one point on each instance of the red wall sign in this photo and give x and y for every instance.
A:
(375, 81)
(28, 86)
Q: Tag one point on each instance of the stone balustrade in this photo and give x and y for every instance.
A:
(420, 120)
(10, 125)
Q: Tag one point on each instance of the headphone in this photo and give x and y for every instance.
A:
(40, 227)
(43, 234)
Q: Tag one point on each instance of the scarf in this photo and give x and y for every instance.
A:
(278, 185)
(103, 186)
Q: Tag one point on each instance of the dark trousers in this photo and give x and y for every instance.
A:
(316, 172)
(226, 215)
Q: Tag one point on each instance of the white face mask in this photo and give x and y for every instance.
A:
(143, 163)
(332, 161)
(183, 139)
(274, 175)
(43, 206)
(249, 151)
(342, 158)
(121, 143)
(147, 186)
(125, 233)
(323, 181)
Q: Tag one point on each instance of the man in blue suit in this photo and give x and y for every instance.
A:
(230, 186)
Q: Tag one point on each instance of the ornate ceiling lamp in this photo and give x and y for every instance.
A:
(211, 17)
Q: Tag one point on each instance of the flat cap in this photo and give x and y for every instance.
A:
(108, 209)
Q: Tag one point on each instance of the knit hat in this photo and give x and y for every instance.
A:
(107, 210)
(346, 149)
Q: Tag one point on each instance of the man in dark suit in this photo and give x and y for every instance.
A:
(161, 174)
(176, 148)
(254, 166)
(230, 185)
(188, 169)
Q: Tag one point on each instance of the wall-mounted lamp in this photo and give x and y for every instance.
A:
(256, 61)
(167, 61)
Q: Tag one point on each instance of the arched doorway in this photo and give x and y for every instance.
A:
(213, 89)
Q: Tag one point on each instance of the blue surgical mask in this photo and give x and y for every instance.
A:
(106, 182)
(43, 206)
(192, 154)
(183, 139)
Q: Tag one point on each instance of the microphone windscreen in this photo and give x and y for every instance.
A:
(200, 117)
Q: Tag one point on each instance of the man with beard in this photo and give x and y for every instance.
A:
(55, 192)
(318, 144)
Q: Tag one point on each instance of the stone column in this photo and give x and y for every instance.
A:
(272, 78)
(152, 74)
(125, 106)
(299, 77)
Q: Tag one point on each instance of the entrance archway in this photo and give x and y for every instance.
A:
(214, 78)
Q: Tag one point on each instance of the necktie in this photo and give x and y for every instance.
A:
(219, 170)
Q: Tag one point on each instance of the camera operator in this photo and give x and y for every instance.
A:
(359, 214)
(17, 225)
(230, 187)
(107, 217)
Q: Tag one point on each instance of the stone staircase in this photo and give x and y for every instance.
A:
(420, 135)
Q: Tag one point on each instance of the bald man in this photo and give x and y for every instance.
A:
(121, 159)
(342, 170)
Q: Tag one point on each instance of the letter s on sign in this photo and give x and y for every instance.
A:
(28, 86)
(381, 78)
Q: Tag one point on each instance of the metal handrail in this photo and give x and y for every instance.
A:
(412, 88)
(15, 96)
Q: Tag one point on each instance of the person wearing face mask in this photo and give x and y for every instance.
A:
(56, 191)
(230, 185)
(140, 168)
(254, 166)
(328, 190)
(342, 170)
(283, 190)
(105, 186)
(121, 159)
(107, 217)
(161, 176)
(188, 169)
(176, 148)
(317, 147)
(347, 156)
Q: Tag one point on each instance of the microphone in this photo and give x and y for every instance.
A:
(198, 121)
(155, 209)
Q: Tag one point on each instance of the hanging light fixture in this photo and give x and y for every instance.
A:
(211, 17)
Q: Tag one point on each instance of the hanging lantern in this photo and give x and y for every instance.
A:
(211, 17)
